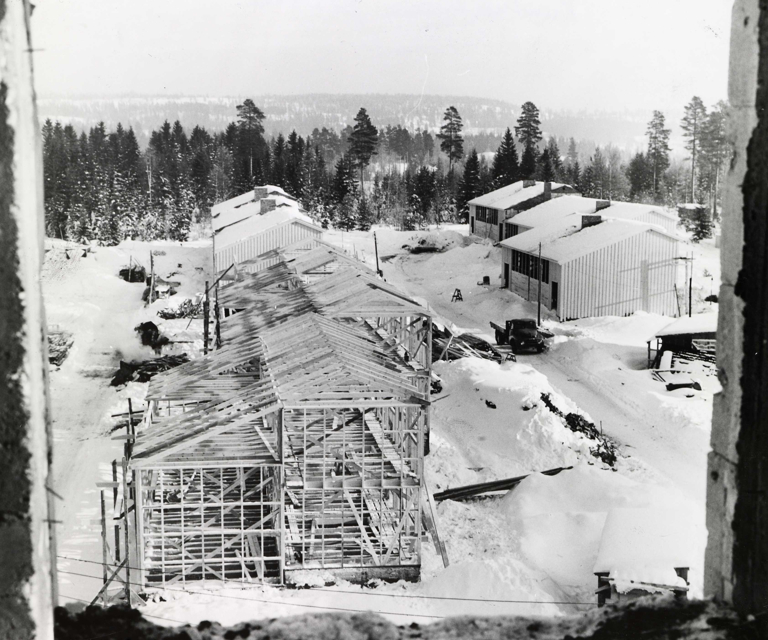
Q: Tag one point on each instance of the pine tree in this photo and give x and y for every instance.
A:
(363, 142)
(505, 165)
(658, 150)
(470, 183)
(451, 141)
(692, 124)
(528, 128)
(250, 129)
(714, 153)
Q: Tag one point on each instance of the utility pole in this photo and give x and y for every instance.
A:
(206, 319)
(376, 248)
(538, 269)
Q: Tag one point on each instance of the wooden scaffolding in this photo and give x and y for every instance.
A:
(297, 445)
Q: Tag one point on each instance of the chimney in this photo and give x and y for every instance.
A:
(590, 220)
(528, 183)
(602, 204)
(259, 193)
(547, 191)
(267, 205)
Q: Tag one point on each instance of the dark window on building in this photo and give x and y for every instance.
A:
(528, 265)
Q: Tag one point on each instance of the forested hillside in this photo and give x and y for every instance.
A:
(103, 184)
(304, 113)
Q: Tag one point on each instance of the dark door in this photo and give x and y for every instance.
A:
(472, 225)
(555, 292)
(506, 276)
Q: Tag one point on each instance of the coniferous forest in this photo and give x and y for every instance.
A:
(101, 186)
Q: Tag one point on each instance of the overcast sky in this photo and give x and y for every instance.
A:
(593, 54)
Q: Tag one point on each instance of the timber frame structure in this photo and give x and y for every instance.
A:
(298, 444)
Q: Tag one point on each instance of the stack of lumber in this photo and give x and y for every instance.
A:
(447, 346)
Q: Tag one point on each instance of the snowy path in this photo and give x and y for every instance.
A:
(676, 455)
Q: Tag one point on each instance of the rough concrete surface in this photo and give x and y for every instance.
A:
(650, 619)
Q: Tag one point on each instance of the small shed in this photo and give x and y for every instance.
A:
(643, 551)
(692, 336)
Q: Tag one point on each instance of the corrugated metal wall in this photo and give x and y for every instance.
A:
(256, 245)
(654, 217)
(636, 274)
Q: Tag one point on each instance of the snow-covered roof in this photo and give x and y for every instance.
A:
(700, 323)
(256, 224)
(554, 209)
(248, 196)
(566, 240)
(564, 206)
(511, 195)
(645, 546)
(226, 217)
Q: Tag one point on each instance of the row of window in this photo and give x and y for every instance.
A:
(528, 265)
(484, 214)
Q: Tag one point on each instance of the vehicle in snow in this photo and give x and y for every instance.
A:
(521, 335)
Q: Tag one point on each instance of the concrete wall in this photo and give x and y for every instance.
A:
(26, 581)
(724, 460)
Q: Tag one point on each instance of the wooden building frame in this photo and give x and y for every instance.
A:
(313, 461)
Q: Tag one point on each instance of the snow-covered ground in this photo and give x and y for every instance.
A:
(529, 552)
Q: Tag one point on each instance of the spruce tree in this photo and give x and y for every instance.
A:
(545, 171)
(528, 162)
(692, 124)
(451, 141)
(364, 214)
(505, 165)
(470, 183)
(701, 225)
(555, 159)
(363, 142)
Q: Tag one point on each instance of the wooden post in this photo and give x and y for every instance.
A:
(126, 500)
(538, 322)
(376, 247)
(150, 299)
(206, 319)
(104, 546)
(114, 507)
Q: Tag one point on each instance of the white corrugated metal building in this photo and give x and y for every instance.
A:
(250, 225)
(594, 266)
(490, 214)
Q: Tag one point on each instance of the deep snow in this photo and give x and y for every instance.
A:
(534, 548)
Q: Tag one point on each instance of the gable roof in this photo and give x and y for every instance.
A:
(563, 207)
(562, 242)
(513, 194)
(258, 223)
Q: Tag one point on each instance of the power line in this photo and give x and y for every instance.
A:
(368, 593)
(289, 604)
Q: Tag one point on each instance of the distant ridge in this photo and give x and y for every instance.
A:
(306, 111)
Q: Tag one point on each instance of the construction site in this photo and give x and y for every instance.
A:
(295, 443)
